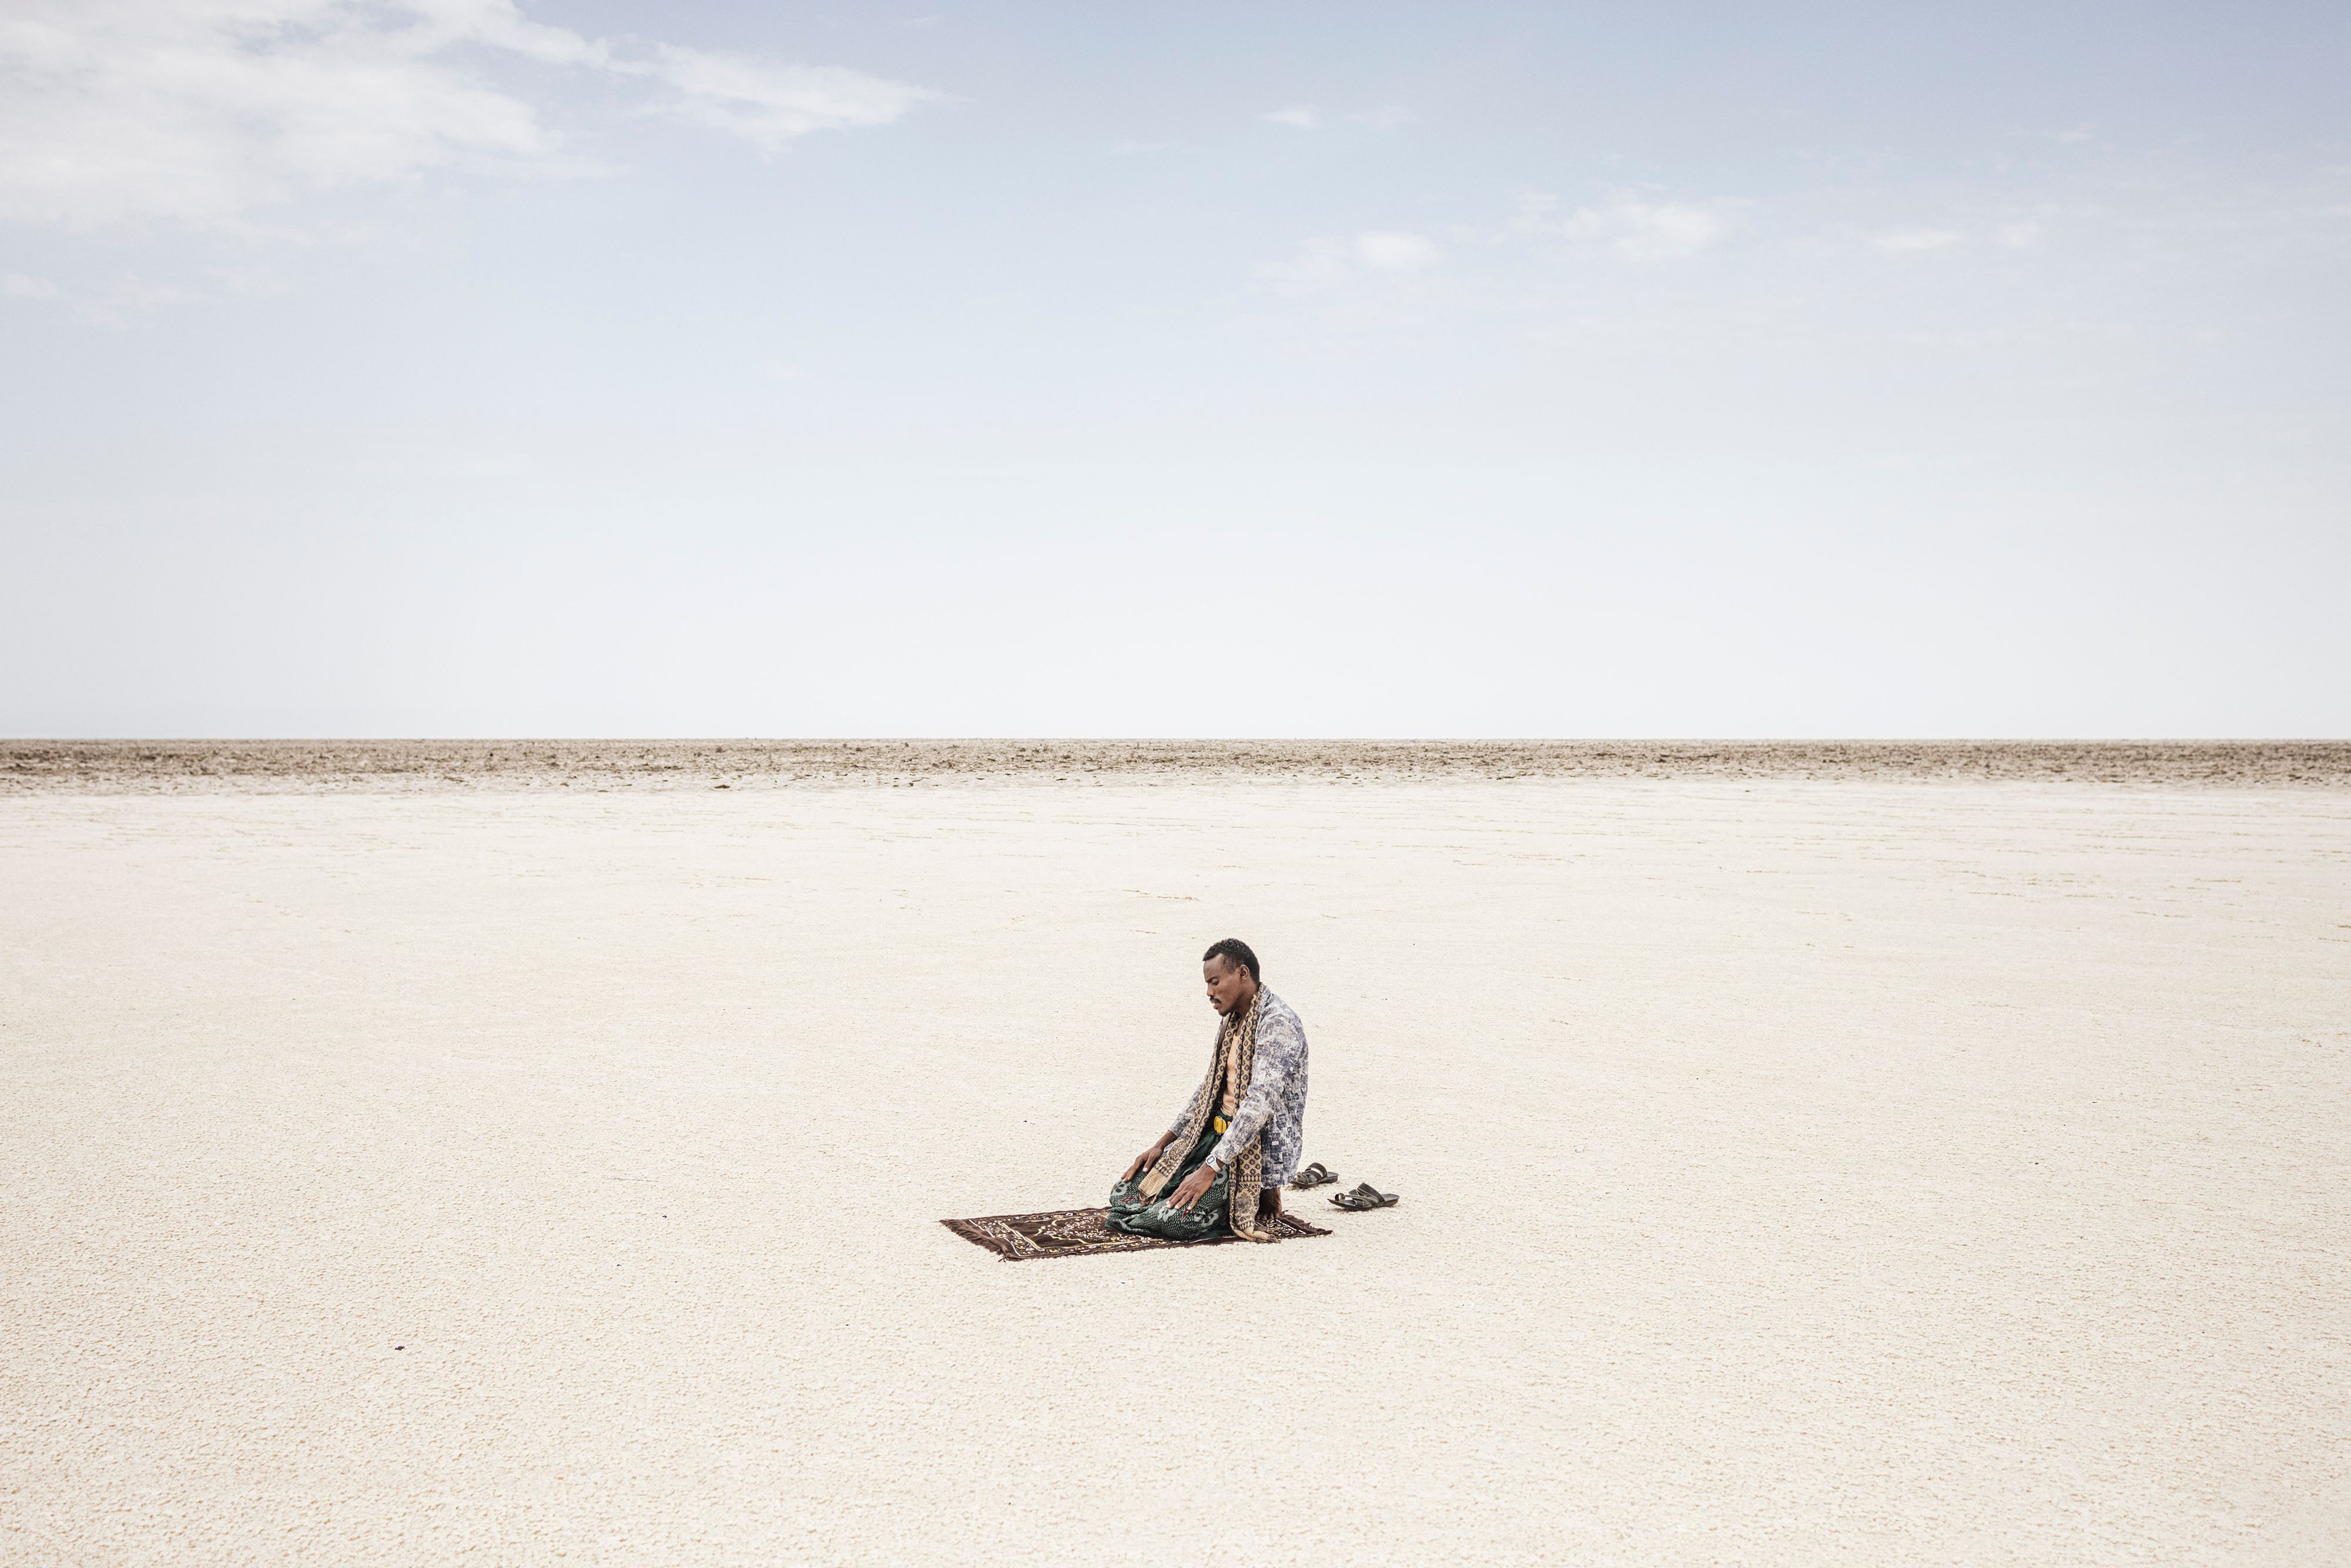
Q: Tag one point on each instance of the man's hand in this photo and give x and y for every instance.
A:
(1194, 1186)
(1145, 1160)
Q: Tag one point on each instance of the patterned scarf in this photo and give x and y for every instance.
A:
(1229, 1080)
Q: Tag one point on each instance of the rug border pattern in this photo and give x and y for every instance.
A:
(1002, 1235)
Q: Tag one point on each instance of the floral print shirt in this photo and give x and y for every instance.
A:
(1275, 1100)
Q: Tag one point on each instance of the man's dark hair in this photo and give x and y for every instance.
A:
(1233, 950)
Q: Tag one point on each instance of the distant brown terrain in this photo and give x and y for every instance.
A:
(140, 765)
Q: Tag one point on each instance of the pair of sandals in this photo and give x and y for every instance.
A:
(1364, 1197)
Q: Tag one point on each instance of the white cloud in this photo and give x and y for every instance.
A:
(1306, 117)
(1394, 252)
(203, 109)
(2020, 236)
(1632, 227)
(1915, 239)
(113, 302)
(1323, 265)
(768, 104)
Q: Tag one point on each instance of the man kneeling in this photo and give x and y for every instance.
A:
(1229, 1152)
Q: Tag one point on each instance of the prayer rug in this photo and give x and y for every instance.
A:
(1073, 1232)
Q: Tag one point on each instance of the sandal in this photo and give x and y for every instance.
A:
(1365, 1196)
(1315, 1174)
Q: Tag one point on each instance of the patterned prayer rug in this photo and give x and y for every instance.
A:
(1075, 1232)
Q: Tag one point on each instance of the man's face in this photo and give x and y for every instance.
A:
(1228, 982)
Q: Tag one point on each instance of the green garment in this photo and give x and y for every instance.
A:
(1130, 1212)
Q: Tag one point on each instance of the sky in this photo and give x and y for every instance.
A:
(470, 368)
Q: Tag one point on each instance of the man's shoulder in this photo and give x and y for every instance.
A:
(1274, 1008)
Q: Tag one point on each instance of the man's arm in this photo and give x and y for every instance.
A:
(1150, 1156)
(1182, 1118)
(1280, 1042)
(1278, 1045)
